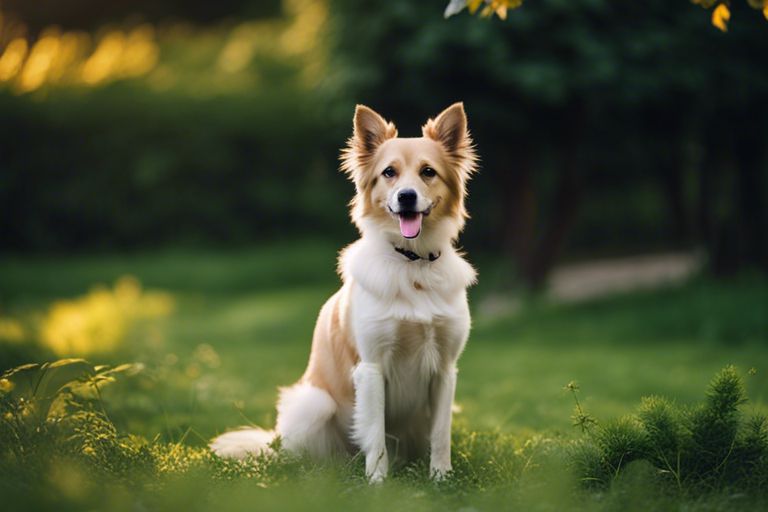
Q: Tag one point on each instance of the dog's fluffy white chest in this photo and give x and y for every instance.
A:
(411, 317)
(409, 365)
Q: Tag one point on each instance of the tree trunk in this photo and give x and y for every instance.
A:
(520, 208)
(566, 203)
(567, 198)
(751, 193)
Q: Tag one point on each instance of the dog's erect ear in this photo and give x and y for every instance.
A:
(370, 131)
(449, 128)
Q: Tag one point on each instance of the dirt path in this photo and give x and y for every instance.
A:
(591, 279)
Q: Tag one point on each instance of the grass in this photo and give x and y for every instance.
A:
(242, 326)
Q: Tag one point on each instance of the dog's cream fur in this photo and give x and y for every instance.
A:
(384, 351)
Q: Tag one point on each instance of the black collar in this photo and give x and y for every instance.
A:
(413, 256)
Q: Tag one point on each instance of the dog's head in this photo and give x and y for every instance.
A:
(409, 186)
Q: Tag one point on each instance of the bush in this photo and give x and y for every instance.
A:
(123, 166)
(708, 447)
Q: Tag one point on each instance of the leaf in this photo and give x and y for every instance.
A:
(490, 7)
(55, 377)
(454, 7)
(41, 384)
(23, 379)
(474, 5)
(720, 17)
(59, 374)
(125, 367)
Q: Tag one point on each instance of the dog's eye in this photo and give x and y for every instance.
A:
(389, 172)
(428, 172)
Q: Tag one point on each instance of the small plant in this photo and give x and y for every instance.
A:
(707, 447)
(580, 418)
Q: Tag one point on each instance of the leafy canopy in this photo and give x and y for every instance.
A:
(721, 13)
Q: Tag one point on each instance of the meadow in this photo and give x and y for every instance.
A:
(212, 334)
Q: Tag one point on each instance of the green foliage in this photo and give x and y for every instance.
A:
(714, 426)
(54, 411)
(127, 166)
(708, 447)
(42, 391)
(664, 432)
(620, 442)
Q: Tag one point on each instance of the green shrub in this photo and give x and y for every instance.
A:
(708, 447)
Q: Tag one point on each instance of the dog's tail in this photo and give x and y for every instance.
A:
(239, 444)
(304, 414)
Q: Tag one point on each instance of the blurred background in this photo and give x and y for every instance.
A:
(192, 148)
(604, 129)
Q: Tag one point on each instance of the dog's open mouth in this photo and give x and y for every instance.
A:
(410, 224)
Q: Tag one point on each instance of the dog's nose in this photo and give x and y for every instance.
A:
(406, 198)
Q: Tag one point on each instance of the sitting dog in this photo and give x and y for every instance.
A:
(385, 347)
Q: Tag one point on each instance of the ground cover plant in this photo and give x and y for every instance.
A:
(125, 427)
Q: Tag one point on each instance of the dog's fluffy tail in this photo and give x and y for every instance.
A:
(239, 444)
(304, 424)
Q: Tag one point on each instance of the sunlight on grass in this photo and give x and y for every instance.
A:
(97, 322)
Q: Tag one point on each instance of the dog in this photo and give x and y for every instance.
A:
(385, 346)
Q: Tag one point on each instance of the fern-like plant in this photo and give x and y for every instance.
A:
(707, 447)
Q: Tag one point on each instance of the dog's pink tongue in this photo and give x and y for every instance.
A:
(410, 226)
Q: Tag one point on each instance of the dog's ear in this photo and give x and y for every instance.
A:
(450, 130)
(370, 131)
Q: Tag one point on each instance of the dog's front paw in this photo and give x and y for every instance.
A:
(439, 472)
(377, 477)
(376, 466)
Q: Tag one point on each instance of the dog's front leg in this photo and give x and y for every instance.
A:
(368, 419)
(443, 390)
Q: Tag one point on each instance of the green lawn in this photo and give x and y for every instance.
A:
(242, 326)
